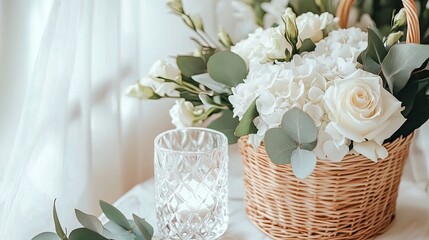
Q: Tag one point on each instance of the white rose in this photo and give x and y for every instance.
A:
(361, 110)
(311, 25)
(182, 114)
(161, 69)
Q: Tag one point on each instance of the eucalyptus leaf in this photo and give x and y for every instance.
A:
(375, 52)
(299, 126)
(399, 63)
(58, 227)
(307, 46)
(279, 146)
(227, 68)
(190, 65)
(89, 221)
(114, 215)
(145, 228)
(418, 115)
(85, 234)
(303, 163)
(303, 6)
(246, 125)
(226, 124)
(207, 81)
(308, 146)
(46, 236)
(112, 228)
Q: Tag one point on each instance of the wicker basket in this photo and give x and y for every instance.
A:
(351, 199)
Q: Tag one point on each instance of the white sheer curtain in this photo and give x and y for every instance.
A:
(79, 138)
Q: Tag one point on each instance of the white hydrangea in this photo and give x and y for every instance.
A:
(278, 87)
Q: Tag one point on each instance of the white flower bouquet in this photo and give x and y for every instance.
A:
(305, 87)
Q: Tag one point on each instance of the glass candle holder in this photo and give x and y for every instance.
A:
(191, 174)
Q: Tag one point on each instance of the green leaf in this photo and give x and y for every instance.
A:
(246, 125)
(376, 49)
(85, 234)
(227, 68)
(400, 61)
(303, 6)
(190, 65)
(46, 236)
(145, 228)
(114, 215)
(375, 52)
(308, 146)
(89, 221)
(58, 227)
(369, 64)
(113, 229)
(418, 115)
(207, 81)
(303, 163)
(226, 124)
(279, 146)
(299, 126)
(307, 46)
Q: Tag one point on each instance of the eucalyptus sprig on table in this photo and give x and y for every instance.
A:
(118, 228)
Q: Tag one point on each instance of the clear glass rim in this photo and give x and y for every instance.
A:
(223, 144)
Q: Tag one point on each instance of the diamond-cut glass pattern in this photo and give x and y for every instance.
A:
(191, 170)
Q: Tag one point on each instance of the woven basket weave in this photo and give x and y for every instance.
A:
(351, 199)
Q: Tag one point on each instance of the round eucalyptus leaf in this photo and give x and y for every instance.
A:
(227, 68)
(299, 126)
(279, 146)
(303, 163)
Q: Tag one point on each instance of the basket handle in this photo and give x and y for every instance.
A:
(413, 31)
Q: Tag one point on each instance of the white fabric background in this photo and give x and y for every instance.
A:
(67, 130)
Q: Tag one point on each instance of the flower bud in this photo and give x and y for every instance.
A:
(400, 19)
(188, 21)
(198, 23)
(141, 92)
(176, 5)
(393, 38)
(224, 38)
(291, 30)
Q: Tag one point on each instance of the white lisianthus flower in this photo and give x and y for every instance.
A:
(312, 26)
(262, 46)
(183, 114)
(162, 69)
(361, 110)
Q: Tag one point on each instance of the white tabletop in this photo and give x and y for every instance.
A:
(411, 222)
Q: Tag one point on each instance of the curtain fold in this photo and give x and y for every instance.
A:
(79, 137)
